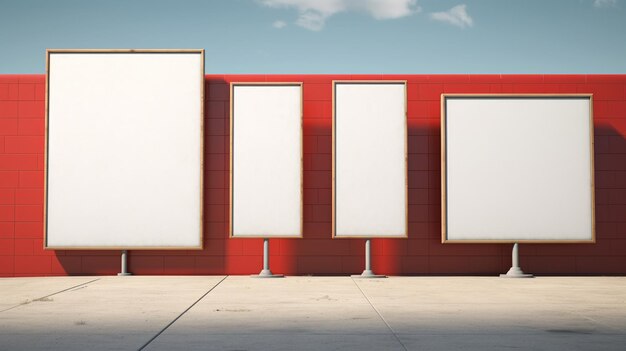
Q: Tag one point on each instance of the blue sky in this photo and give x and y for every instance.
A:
(331, 36)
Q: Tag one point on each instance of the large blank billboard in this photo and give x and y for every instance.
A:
(369, 159)
(266, 160)
(517, 168)
(124, 149)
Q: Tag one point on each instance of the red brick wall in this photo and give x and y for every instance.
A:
(21, 189)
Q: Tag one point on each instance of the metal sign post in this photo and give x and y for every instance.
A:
(368, 273)
(124, 271)
(515, 271)
(266, 272)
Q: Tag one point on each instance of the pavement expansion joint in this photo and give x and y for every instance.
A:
(380, 315)
(48, 297)
(181, 314)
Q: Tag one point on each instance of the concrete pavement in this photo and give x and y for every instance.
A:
(312, 313)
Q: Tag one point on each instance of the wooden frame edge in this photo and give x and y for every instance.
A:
(444, 239)
(443, 159)
(593, 170)
(529, 241)
(202, 144)
(231, 138)
(333, 167)
(334, 235)
(231, 157)
(123, 51)
(127, 248)
(46, 141)
(45, 157)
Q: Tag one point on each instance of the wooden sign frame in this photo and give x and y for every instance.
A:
(443, 116)
(201, 82)
(231, 161)
(334, 160)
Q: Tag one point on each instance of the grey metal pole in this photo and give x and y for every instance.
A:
(368, 273)
(266, 272)
(124, 270)
(266, 258)
(515, 256)
(515, 271)
(368, 258)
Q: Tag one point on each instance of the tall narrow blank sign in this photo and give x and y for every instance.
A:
(266, 160)
(266, 163)
(369, 161)
(517, 169)
(124, 149)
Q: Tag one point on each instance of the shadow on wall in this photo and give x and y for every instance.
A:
(422, 253)
(606, 256)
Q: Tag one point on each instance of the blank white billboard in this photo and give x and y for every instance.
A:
(369, 159)
(124, 149)
(517, 168)
(266, 160)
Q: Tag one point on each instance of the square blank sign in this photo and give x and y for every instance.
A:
(517, 168)
(124, 149)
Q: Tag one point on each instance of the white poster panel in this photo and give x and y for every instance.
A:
(517, 168)
(124, 149)
(370, 160)
(266, 160)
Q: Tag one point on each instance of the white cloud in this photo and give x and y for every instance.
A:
(604, 3)
(312, 14)
(279, 24)
(456, 16)
(311, 20)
